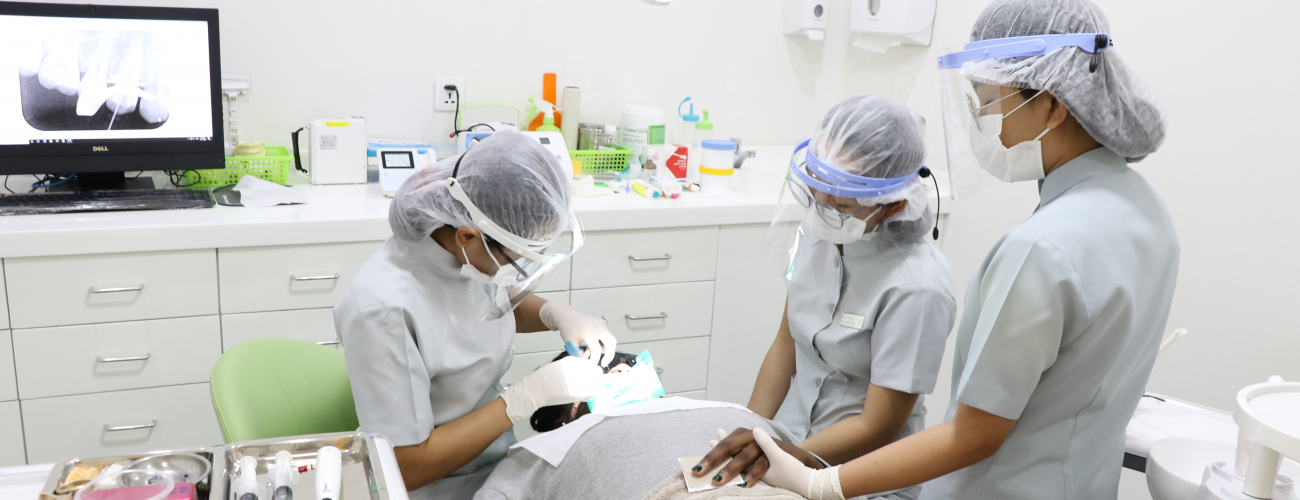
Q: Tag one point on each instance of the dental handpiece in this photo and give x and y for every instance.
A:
(284, 475)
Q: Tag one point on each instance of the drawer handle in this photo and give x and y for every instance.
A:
(314, 278)
(630, 317)
(659, 370)
(328, 342)
(152, 422)
(643, 259)
(101, 359)
(119, 289)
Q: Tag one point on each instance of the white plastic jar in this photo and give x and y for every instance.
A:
(716, 166)
(641, 126)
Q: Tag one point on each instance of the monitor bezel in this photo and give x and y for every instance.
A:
(118, 155)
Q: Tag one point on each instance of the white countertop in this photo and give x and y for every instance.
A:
(345, 213)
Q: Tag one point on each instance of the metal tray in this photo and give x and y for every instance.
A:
(213, 454)
(363, 476)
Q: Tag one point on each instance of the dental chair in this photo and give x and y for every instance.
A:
(274, 387)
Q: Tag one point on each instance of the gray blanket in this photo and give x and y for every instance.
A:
(619, 458)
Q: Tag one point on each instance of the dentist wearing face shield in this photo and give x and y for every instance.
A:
(428, 324)
(1063, 320)
(870, 300)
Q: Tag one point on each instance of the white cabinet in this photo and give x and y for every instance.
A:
(558, 280)
(4, 302)
(311, 325)
(8, 384)
(81, 359)
(289, 277)
(542, 341)
(114, 423)
(683, 363)
(651, 312)
(12, 451)
(56, 291)
(748, 302)
(646, 256)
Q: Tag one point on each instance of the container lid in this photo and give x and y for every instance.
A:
(718, 144)
(706, 124)
(593, 126)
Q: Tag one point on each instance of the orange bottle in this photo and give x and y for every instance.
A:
(548, 95)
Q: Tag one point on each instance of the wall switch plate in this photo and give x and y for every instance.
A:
(447, 100)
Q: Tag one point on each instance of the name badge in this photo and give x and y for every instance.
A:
(852, 321)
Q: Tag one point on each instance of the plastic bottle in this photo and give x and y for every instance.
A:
(547, 110)
(641, 126)
(716, 166)
(686, 129)
(703, 131)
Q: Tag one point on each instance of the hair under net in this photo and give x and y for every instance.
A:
(1112, 104)
(871, 136)
(510, 177)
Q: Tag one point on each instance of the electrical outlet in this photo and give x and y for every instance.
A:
(447, 100)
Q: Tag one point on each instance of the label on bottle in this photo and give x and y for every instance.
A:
(655, 134)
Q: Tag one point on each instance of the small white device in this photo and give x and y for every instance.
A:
(338, 151)
(554, 142)
(329, 473)
(881, 24)
(396, 165)
(806, 17)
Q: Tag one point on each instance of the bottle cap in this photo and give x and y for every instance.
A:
(704, 125)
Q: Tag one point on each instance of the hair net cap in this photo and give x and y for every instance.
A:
(1112, 104)
(871, 136)
(510, 177)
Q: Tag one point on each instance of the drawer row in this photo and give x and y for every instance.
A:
(178, 416)
(105, 288)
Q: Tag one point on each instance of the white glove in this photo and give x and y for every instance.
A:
(580, 329)
(789, 473)
(568, 380)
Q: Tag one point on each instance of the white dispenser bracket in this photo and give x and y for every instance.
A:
(807, 18)
(881, 24)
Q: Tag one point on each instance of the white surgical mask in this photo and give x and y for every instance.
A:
(503, 276)
(1022, 162)
(854, 229)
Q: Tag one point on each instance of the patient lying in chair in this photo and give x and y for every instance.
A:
(628, 456)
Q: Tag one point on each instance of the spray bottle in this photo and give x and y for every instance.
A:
(548, 115)
(283, 476)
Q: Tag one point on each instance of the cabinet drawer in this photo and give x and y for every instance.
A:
(8, 385)
(542, 341)
(83, 359)
(11, 435)
(559, 280)
(4, 303)
(646, 256)
(116, 423)
(683, 363)
(652, 312)
(56, 291)
(311, 325)
(289, 277)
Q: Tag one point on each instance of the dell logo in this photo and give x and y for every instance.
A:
(99, 148)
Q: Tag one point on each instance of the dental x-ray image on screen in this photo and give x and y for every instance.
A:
(94, 80)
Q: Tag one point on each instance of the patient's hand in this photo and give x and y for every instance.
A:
(746, 457)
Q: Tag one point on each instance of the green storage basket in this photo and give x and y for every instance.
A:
(602, 160)
(274, 167)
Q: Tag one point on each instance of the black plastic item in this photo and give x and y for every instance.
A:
(226, 196)
(297, 158)
(938, 200)
(104, 201)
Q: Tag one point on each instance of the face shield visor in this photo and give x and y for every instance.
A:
(974, 101)
(835, 206)
(521, 263)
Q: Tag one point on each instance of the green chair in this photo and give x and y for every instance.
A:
(269, 388)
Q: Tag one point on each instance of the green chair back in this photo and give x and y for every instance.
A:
(269, 388)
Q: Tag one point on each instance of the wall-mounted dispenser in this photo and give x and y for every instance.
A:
(881, 24)
(806, 17)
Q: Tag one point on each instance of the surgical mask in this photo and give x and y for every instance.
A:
(1022, 162)
(504, 276)
(853, 229)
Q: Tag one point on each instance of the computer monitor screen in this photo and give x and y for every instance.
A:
(103, 88)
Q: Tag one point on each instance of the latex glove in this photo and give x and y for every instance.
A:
(788, 472)
(568, 380)
(581, 329)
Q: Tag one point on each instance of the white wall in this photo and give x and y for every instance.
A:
(1220, 69)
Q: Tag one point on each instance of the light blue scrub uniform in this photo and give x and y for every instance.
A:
(1060, 331)
(880, 314)
(419, 355)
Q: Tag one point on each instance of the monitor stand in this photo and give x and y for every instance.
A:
(102, 181)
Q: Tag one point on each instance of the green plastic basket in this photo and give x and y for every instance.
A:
(603, 160)
(274, 167)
